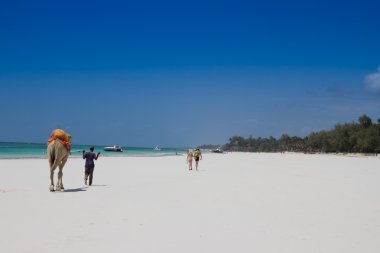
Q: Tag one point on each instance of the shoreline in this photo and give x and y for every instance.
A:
(360, 155)
(38, 151)
(79, 157)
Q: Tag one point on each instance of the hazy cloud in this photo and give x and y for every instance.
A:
(338, 91)
(372, 82)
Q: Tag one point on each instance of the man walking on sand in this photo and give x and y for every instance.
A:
(197, 157)
(90, 164)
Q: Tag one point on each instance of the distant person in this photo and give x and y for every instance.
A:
(197, 157)
(189, 159)
(90, 165)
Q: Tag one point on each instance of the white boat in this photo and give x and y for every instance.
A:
(157, 148)
(218, 150)
(114, 148)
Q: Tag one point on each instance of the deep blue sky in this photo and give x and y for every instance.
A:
(184, 73)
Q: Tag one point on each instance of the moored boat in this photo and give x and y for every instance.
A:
(218, 150)
(114, 149)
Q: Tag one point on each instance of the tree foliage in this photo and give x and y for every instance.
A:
(361, 137)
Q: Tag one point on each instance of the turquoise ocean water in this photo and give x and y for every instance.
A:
(9, 150)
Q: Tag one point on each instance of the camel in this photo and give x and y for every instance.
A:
(58, 153)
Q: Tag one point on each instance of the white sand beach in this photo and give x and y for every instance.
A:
(237, 202)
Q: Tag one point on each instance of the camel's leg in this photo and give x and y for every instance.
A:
(52, 168)
(51, 179)
(60, 174)
(59, 183)
(58, 187)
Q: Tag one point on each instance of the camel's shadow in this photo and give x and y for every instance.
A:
(75, 190)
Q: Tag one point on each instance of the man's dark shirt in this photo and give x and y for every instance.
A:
(90, 157)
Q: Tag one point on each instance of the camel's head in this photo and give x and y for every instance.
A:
(69, 138)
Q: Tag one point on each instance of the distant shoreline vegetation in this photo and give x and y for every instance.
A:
(357, 137)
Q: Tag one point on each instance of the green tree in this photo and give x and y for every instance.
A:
(363, 136)
(365, 121)
(284, 142)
